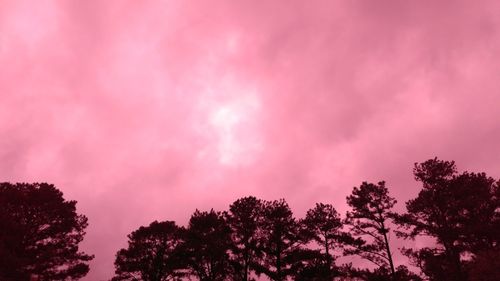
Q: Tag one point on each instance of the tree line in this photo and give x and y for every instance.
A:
(455, 215)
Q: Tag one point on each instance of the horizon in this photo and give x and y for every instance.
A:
(144, 111)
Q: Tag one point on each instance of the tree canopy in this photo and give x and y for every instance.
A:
(459, 210)
(280, 240)
(152, 254)
(323, 225)
(39, 234)
(206, 246)
(369, 224)
(244, 219)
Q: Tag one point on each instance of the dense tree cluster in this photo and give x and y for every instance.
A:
(254, 238)
(39, 234)
(461, 212)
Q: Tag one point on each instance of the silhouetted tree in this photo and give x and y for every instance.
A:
(207, 245)
(383, 274)
(403, 274)
(323, 225)
(280, 240)
(485, 266)
(371, 212)
(244, 218)
(39, 234)
(152, 254)
(311, 265)
(433, 263)
(459, 210)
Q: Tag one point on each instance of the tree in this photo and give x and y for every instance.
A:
(383, 274)
(371, 212)
(323, 225)
(310, 265)
(459, 210)
(152, 254)
(485, 266)
(433, 263)
(39, 234)
(244, 218)
(207, 245)
(280, 240)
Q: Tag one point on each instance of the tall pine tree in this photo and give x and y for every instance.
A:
(369, 222)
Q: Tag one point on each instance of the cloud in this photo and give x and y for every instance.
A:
(148, 110)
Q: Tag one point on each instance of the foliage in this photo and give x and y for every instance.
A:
(280, 240)
(244, 218)
(152, 254)
(485, 266)
(39, 234)
(323, 225)
(371, 211)
(459, 210)
(206, 247)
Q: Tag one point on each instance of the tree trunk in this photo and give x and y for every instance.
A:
(388, 250)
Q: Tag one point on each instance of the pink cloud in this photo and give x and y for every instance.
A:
(115, 102)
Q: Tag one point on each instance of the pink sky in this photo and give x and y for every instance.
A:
(146, 110)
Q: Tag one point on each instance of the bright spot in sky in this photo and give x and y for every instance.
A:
(235, 124)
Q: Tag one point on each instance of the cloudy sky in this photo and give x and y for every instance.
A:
(146, 110)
